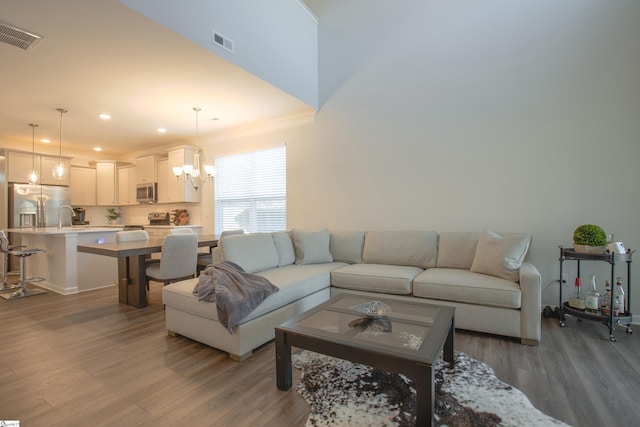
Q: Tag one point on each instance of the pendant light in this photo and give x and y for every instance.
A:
(58, 169)
(33, 175)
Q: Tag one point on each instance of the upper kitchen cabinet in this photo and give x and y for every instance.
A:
(83, 186)
(106, 183)
(127, 185)
(20, 164)
(164, 176)
(146, 170)
(179, 189)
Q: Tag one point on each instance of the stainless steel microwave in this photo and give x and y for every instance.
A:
(147, 193)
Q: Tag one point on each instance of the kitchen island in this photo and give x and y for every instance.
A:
(64, 269)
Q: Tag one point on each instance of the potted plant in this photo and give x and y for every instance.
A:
(113, 216)
(589, 238)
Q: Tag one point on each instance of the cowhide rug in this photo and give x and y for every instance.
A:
(342, 393)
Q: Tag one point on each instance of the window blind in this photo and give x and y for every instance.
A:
(251, 191)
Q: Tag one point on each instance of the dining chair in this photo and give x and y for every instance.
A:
(180, 231)
(178, 259)
(22, 253)
(205, 259)
(132, 236)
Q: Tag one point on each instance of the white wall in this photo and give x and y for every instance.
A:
(515, 116)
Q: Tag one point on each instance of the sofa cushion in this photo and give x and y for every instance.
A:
(253, 252)
(284, 246)
(294, 282)
(413, 248)
(388, 279)
(457, 249)
(500, 255)
(311, 247)
(346, 246)
(464, 286)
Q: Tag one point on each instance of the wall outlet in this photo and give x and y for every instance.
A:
(565, 277)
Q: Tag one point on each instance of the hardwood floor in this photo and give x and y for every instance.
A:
(84, 359)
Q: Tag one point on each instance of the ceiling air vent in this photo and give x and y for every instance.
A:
(17, 37)
(223, 41)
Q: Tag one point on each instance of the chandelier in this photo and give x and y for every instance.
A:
(192, 173)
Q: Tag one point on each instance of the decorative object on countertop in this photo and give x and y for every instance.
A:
(589, 238)
(180, 217)
(113, 216)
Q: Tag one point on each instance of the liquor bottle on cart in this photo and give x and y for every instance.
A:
(619, 304)
(605, 303)
(577, 301)
(592, 298)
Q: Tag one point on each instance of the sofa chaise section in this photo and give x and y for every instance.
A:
(301, 287)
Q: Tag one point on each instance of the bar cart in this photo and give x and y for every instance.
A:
(610, 320)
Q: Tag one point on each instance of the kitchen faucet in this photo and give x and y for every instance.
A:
(60, 214)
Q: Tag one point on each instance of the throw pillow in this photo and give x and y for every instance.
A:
(500, 256)
(346, 246)
(284, 245)
(311, 247)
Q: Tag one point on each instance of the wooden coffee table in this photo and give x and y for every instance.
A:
(407, 340)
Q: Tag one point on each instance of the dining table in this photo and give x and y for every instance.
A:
(132, 264)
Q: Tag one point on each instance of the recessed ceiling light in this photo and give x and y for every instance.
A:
(45, 140)
(161, 130)
(97, 149)
(215, 118)
(104, 116)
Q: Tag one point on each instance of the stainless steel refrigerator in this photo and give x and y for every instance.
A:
(37, 205)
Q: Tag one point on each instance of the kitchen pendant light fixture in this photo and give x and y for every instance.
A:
(192, 173)
(33, 175)
(58, 169)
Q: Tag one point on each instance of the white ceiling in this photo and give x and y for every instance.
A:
(100, 56)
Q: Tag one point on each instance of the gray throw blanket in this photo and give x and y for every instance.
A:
(235, 292)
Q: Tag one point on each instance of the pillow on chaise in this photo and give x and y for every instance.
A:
(500, 256)
(311, 247)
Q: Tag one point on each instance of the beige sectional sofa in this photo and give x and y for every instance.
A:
(485, 275)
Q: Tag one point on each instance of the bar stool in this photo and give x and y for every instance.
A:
(22, 254)
(5, 270)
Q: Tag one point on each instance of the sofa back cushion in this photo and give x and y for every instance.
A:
(253, 252)
(346, 246)
(284, 246)
(456, 249)
(500, 255)
(311, 247)
(411, 248)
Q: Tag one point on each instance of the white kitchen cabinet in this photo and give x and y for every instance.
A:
(20, 164)
(82, 182)
(106, 183)
(146, 169)
(127, 185)
(164, 175)
(179, 189)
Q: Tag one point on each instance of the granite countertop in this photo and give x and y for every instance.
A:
(85, 229)
(64, 230)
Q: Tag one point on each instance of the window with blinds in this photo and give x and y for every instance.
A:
(251, 191)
